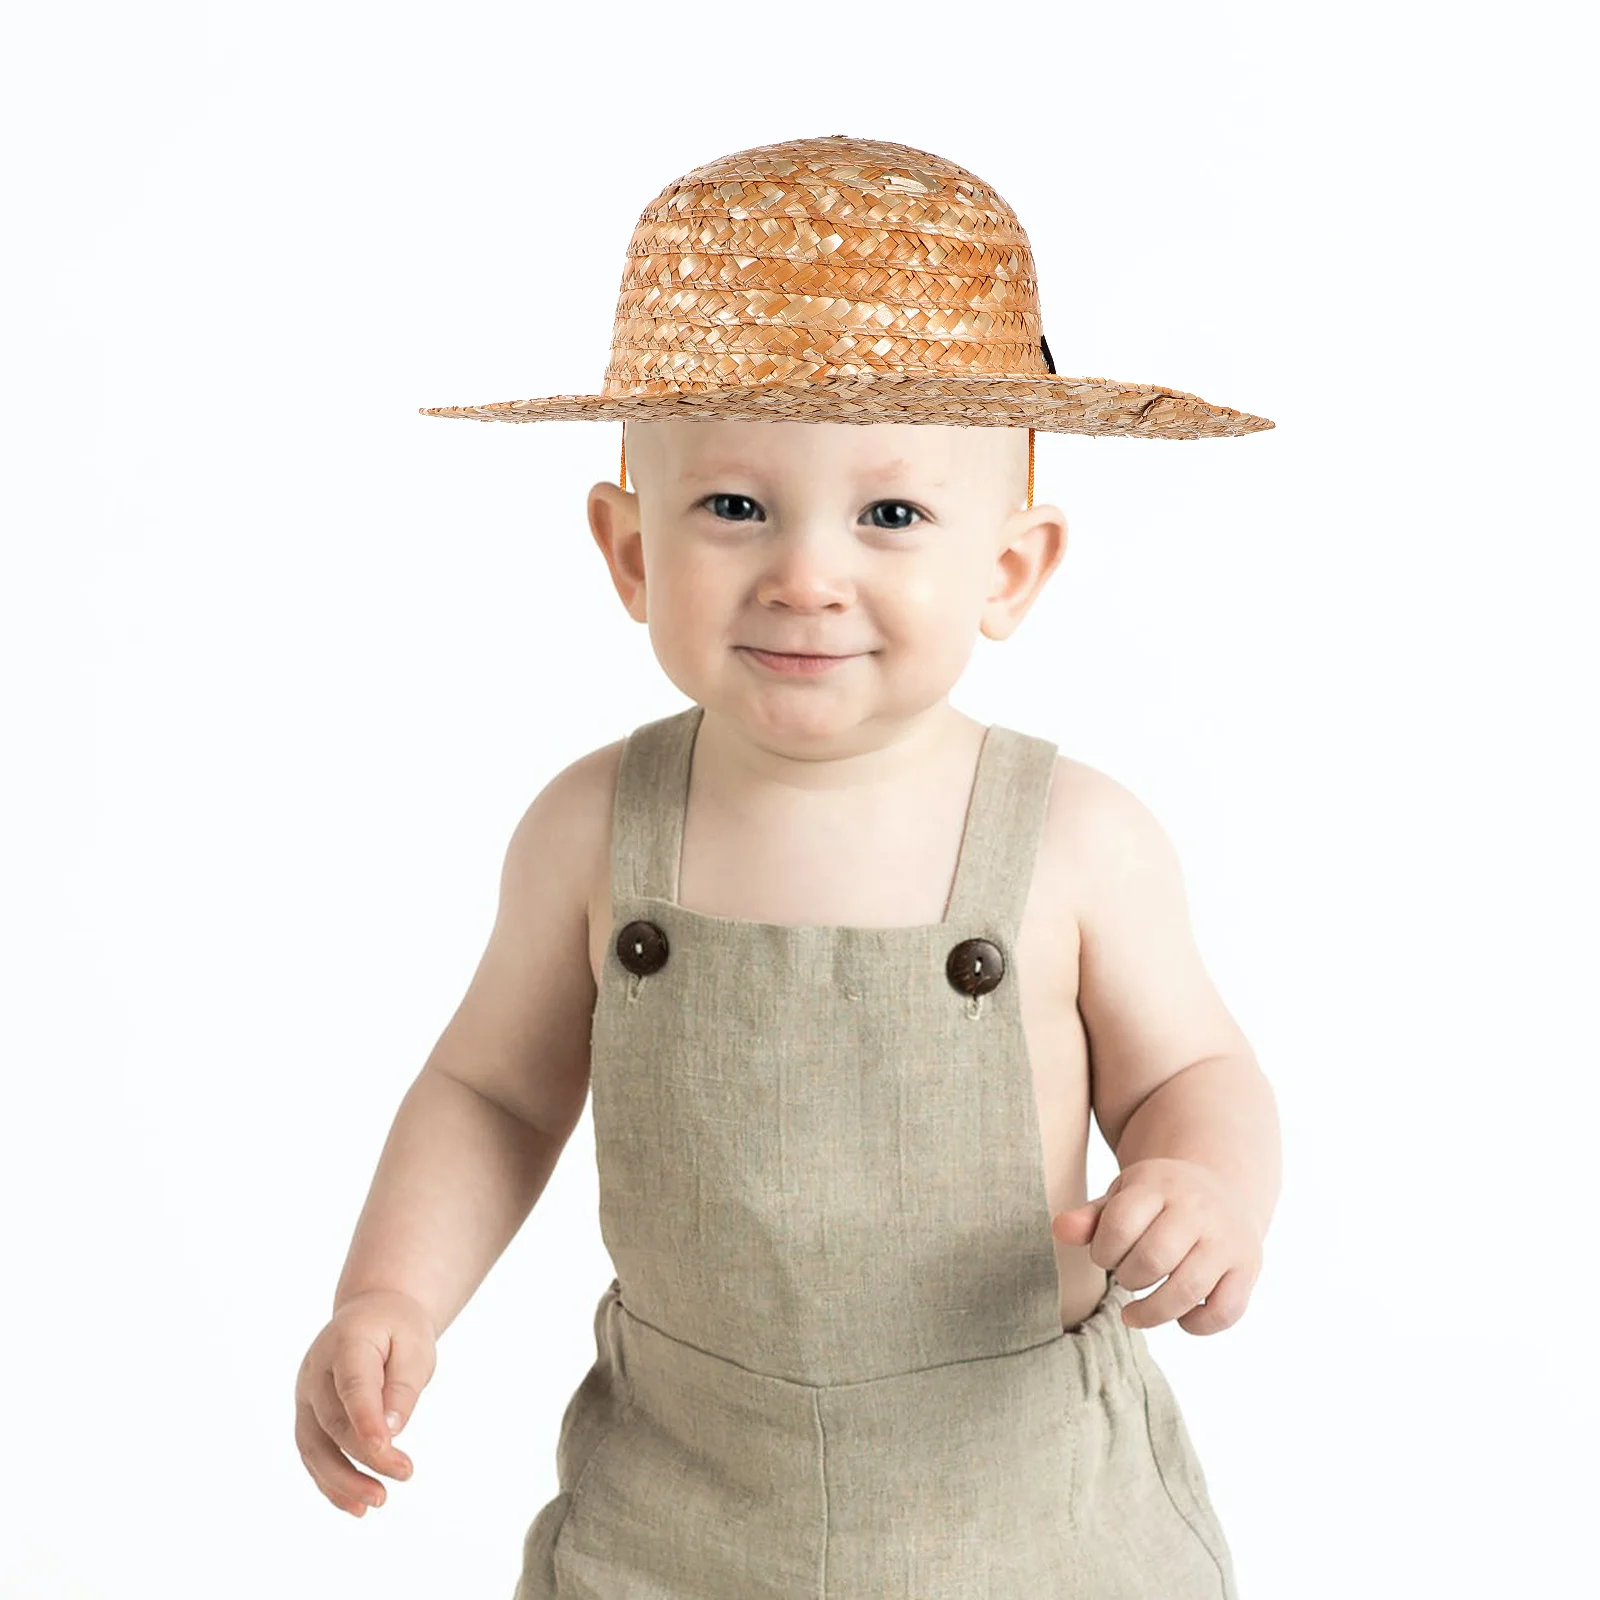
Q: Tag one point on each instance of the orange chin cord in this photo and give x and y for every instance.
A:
(622, 471)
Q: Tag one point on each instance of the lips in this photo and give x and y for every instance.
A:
(788, 665)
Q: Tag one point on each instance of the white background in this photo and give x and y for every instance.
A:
(285, 662)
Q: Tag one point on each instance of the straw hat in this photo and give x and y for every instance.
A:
(837, 279)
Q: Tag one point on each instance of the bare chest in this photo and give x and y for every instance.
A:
(835, 878)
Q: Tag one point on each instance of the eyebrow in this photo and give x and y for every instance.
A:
(717, 469)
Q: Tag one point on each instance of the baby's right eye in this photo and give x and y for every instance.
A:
(716, 502)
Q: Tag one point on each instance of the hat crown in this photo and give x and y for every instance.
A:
(821, 257)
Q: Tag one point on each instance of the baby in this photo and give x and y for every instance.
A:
(845, 972)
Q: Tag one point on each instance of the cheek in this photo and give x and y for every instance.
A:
(691, 598)
(933, 597)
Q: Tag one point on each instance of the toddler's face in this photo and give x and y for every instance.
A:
(891, 545)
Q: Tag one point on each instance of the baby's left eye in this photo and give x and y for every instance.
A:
(901, 505)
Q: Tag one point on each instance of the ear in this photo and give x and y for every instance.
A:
(614, 523)
(1034, 541)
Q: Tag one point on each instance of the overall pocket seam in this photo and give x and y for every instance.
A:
(595, 1453)
(623, 1370)
(1166, 1471)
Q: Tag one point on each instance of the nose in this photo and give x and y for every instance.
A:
(807, 572)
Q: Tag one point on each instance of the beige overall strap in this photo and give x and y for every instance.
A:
(1005, 822)
(648, 809)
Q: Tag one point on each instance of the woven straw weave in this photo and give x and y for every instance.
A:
(846, 280)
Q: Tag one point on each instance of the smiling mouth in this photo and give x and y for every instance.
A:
(791, 664)
(798, 655)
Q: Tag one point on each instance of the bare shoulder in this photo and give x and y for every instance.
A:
(1119, 858)
(568, 824)
(1102, 829)
(520, 1036)
(1100, 843)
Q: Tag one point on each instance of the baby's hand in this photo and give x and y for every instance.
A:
(376, 1355)
(1173, 1219)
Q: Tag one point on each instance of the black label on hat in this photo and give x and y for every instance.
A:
(1046, 349)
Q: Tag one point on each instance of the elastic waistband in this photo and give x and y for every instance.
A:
(1097, 1354)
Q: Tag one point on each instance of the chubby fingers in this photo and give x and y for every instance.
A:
(343, 1417)
(1116, 1230)
(356, 1381)
(330, 1469)
(1188, 1286)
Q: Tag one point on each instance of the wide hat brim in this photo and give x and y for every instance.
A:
(1050, 403)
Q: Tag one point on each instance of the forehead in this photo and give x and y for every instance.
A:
(708, 448)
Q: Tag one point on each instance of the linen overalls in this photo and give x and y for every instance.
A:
(831, 1364)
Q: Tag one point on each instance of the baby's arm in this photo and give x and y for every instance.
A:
(1171, 1072)
(480, 1130)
